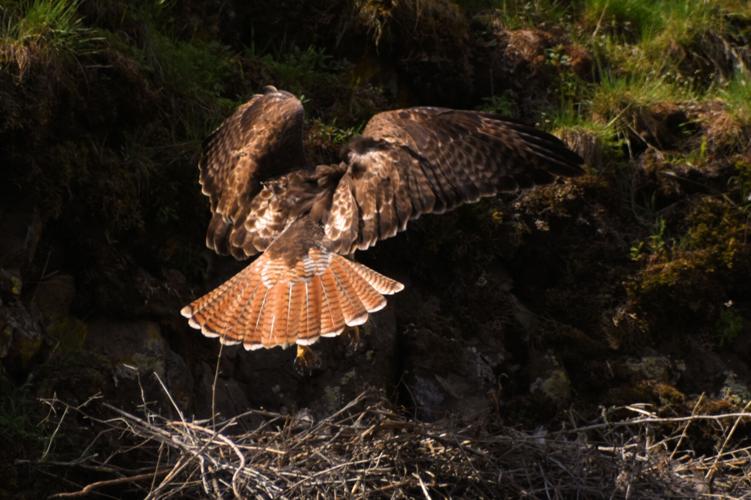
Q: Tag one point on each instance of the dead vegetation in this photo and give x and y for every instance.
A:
(370, 448)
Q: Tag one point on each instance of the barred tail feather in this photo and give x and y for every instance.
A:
(270, 303)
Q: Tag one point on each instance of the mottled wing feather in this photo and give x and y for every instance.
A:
(261, 140)
(428, 160)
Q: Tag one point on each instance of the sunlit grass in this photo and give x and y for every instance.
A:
(650, 21)
(666, 37)
(532, 13)
(617, 95)
(737, 96)
(43, 29)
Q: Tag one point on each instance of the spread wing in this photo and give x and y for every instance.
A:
(428, 160)
(261, 140)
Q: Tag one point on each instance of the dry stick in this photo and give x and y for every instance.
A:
(360, 436)
(189, 433)
(599, 21)
(422, 486)
(685, 427)
(63, 479)
(168, 437)
(110, 482)
(213, 386)
(239, 454)
(204, 480)
(156, 467)
(656, 420)
(713, 469)
(325, 471)
(52, 438)
(176, 469)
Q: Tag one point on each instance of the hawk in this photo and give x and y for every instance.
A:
(307, 220)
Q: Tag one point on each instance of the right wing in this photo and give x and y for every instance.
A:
(261, 140)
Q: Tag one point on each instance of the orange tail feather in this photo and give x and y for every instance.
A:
(270, 303)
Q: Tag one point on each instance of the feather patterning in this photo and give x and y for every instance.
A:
(307, 220)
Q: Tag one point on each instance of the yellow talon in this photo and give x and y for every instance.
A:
(306, 359)
(353, 332)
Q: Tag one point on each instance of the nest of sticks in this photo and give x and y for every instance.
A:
(371, 448)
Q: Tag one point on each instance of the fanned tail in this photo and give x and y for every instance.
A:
(274, 303)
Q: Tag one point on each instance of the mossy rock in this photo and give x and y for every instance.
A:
(69, 333)
(74, 376)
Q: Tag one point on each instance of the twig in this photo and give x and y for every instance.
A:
(213, 386)
(685, 427)
(110, 482)
(654, 420)
(711, 472)
(368, 448)
(52, 437)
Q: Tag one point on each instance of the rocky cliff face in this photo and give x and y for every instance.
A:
(628, 284)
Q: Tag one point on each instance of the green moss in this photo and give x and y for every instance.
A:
(70, 333)
(694, 266)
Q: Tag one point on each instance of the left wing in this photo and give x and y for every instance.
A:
(428, 160)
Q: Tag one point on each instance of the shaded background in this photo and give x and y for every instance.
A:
(629, 284)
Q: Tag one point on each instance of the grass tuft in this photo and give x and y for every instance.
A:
(737, 97)
(43, 30)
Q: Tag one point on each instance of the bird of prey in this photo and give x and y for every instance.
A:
(307, 220)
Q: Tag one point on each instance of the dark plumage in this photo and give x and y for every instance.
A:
(266, 198)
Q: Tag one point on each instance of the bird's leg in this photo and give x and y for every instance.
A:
(353, 334)
(306, 360)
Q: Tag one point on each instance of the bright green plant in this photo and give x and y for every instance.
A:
(43, 29)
